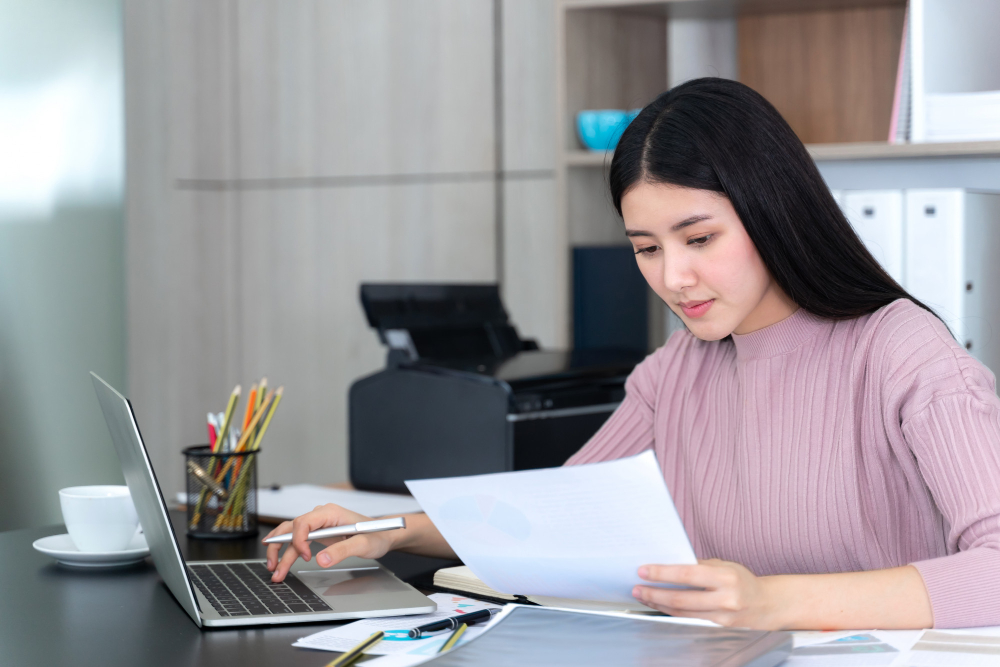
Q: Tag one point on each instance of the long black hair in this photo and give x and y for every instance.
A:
(722, 136)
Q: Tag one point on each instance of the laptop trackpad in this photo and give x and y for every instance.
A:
(360, 581)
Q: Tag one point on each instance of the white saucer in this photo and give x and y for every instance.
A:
(61, 548)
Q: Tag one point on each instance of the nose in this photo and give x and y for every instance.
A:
(678, 273)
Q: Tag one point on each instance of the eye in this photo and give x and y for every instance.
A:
(701, 240)
(648, 250)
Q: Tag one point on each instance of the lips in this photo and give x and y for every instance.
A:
(695, 309)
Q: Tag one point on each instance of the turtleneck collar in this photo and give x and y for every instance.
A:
(779, 338)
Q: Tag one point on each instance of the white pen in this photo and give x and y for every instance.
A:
(350, 529)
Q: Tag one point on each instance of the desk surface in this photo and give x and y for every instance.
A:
(55, 615)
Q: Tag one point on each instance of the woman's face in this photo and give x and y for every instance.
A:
(694, 252)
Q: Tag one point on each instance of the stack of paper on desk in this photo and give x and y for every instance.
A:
(293, 500)
(288, 502)
(577, 532)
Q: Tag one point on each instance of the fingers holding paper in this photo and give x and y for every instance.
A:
(325, 516)
(719, 591)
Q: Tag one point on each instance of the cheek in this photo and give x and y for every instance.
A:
(736, 270)
(652, 270)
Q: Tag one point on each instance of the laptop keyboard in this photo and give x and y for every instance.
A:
(245, 589)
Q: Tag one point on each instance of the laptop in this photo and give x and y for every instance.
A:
(240, 592)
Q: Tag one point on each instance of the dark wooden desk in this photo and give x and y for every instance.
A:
(54, 615)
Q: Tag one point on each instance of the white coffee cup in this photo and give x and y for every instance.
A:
(99, 518)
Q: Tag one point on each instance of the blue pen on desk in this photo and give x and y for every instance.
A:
(454, 622)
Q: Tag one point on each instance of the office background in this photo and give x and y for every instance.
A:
(222, 174)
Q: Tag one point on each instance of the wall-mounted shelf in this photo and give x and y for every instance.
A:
(865, 150)
(876, 150)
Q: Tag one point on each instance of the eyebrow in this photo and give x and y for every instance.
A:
(694, 219)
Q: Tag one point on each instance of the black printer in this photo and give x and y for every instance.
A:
(463, 394)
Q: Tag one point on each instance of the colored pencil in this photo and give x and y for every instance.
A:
(251, 406)
(267, 420)
(227, 422)
(357, 651)
(241, 445)
(453, 639)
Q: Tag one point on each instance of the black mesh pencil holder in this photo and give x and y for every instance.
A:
(221, 493)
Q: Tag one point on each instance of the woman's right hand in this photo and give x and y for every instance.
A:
(370, 545)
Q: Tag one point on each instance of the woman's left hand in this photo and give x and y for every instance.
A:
(730, 594)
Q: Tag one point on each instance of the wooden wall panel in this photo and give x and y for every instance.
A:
(529, 95)
(535, 269)
(183, 338)
(199, 60)
(831, 74)
(344, 88)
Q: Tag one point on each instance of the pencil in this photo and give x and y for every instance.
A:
(261, 393)
(220, 439)
(267, 420)
(241, 445)
(227, 421)
(357, 651)
(239, 496)
(453, 639)
(251, 405)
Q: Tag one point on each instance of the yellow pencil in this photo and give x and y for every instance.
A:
(241, 445)
(261, 392)
(357, 651)
(219, 439)
(453, 639)
(267, 420)
(228, 419)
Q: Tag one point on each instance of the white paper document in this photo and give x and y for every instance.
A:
(346, 637)
(578, 532)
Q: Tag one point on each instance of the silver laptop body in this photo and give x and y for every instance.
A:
(230, 593)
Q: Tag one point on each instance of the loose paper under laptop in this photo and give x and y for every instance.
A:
(576, 532)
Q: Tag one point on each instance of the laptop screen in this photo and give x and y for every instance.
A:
(145, 490)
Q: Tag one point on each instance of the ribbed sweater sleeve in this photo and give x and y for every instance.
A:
(629, 429)
(956, 441)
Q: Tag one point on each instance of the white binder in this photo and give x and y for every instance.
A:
(952, 243)
(877, 217)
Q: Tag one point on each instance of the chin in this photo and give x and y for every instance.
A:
(708, 331)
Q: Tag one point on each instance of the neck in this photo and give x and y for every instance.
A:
(773, 307)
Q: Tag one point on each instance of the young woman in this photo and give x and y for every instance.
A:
(833, 453)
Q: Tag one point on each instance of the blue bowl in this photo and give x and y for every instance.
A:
(601, 129)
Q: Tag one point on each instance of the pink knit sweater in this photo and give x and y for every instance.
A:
(829, 446)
